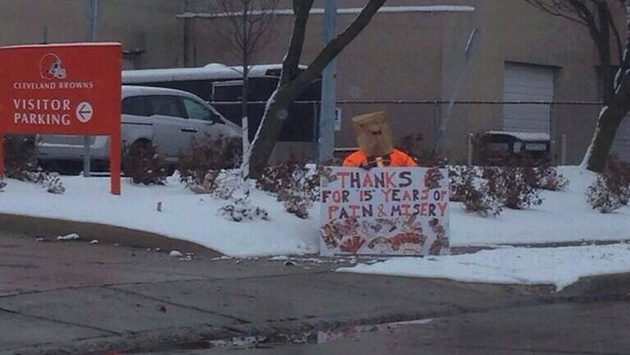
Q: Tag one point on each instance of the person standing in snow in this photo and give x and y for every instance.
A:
(375, 142)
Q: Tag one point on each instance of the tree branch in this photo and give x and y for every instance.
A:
(558, 8)
(291, 61)
(250, 24)
(337, 44)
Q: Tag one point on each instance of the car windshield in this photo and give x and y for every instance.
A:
(197, 110)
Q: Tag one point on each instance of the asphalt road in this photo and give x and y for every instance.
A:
(75, 297)
(567, 328)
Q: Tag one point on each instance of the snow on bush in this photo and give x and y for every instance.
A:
(474, 193)
(50, 181)
(241, 210)
(516, 187)
(611, 189)
(39, 176)
(486, 190)
(295, 185)
(228, 182)
(203, 166)
(54, 185)
(220, 183)
(295, 202)
(2, 184)
(551, 179)
(143, 164)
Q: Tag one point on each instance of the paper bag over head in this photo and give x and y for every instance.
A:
(373, 133)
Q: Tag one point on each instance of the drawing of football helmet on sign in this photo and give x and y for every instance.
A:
(50, 67)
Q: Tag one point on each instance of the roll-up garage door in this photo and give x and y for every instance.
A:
(527, 83)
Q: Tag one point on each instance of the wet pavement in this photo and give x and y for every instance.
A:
(568, 328)
(78, 297)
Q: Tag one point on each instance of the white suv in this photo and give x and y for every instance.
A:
(167, 118)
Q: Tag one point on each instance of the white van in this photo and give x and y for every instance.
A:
(167, 118)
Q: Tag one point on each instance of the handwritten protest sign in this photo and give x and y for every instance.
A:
(384, 211)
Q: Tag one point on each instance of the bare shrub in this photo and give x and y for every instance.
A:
(241, 210)
(142, 163)
(486, 190)
(219, 183)
(516, 187)
(19, 156)
(295, 184)
(611, 189)
(412, 145)
(460, 180)
(475, 193)
(202, 164)
(552, 180)
(544, 175)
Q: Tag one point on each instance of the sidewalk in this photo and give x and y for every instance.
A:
(75, 297)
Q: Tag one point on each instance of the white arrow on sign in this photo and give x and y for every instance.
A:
(84, 111)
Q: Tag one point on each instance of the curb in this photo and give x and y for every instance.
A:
(598, 288)
(106, 234)
(476, 248)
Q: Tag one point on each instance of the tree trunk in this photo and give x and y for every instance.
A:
(596, 15)
(605, 135)
(616, 92)
(273, 118)
(607, 125)
(290, 87)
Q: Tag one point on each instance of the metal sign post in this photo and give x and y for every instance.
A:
(91, 12)
(471, 46)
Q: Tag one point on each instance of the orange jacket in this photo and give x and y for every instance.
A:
(395, 158)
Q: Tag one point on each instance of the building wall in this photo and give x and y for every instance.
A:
(400, 56)
(147, 25)
(562, 44)
(372, 67)
(415, 56)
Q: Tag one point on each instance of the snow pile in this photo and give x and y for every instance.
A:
(555, 266)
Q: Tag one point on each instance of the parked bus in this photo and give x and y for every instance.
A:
(221, 86)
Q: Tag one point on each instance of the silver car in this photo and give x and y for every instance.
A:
(164, 117)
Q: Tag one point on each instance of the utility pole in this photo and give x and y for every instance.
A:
(326, 140)
(91, 12)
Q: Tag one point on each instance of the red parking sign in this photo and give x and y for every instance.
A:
(63, 89)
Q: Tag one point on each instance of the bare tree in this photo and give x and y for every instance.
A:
(250, 29)
(293, 83)
(598, 17)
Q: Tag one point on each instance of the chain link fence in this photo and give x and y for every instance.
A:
(481, 131)
(476, 131)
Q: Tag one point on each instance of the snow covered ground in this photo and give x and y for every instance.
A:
(512, 265)
(563, 217)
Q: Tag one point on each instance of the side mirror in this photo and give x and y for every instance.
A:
(214, 119)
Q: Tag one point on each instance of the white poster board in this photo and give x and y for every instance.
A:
(384, 211)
